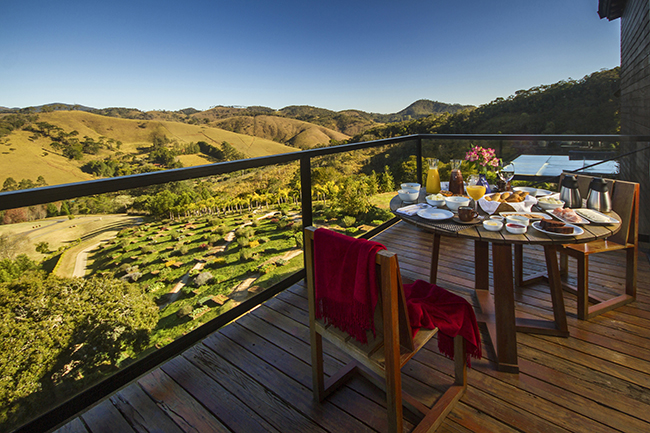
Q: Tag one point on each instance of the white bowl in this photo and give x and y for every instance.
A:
(436, 203)
(492, 225)
(517, 219)
(549, 206)
(497, 218)
(409, 194)
(411, 185)
(456, 201)
(516, 229)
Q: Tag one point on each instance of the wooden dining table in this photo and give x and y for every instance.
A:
(498, 310)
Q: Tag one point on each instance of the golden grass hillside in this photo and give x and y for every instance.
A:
(297, 133)
(26, 158)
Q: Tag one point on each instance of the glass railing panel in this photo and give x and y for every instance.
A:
(90, 285)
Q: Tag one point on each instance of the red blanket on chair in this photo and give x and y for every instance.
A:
(430, 306)
(345, 287)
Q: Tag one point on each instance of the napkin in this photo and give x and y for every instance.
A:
(412, 209)
(523, 206)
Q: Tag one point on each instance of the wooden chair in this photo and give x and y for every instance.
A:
(382, 358)
(625, 202)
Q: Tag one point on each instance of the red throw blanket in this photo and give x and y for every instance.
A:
(430, 306)
(345, 287)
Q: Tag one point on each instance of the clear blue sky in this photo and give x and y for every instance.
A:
(377, 56)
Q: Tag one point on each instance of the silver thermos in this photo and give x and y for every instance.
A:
(569, 192)
(598, 197)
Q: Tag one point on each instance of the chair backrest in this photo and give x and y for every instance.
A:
(391, 305)
(625, 202)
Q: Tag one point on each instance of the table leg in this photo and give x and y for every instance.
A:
(481, 265)
(555, 283)
(504, 307)
(498, 313)
(435, 253)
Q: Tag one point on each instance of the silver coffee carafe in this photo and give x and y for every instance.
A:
(598, 197)
(569, 192)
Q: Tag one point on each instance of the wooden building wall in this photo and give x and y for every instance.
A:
(635, 98)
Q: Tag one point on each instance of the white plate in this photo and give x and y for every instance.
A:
(535, 192)
(534, 215)
(582, 220)
(435, 214)
(609, 220)
(576, 230)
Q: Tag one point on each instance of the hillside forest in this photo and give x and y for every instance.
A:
(225, 237)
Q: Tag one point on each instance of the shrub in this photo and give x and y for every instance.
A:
(349, 221)
(132, 277)
(264, 240)
(331, 213)
(253, 244)
(266, 268)
(300, 242)
(245, 255)
(221, 230)
(203, 278)
(242, 242)
(184, 311)
(351, 230)
(199, 312)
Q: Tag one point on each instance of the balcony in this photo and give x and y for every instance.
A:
(249, 370)
(255, 375)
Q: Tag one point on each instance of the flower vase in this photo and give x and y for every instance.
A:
(482, 180)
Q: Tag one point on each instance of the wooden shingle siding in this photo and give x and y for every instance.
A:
(635, 98)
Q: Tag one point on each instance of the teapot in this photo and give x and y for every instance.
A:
(569, 192)
(598, 197)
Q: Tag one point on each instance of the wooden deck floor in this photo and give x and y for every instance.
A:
(255, 375)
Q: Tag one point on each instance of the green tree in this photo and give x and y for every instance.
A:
(386, 183)
(10, 184)
(58, 335)
(43, 247)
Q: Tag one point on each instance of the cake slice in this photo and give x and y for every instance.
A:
(555, 226)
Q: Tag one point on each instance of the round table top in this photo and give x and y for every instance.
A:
(450, 227)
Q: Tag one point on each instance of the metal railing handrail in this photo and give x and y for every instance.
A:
(48, 194)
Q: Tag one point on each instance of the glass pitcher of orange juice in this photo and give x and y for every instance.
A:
(433, 177)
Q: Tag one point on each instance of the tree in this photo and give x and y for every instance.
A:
(43, 247)
(58, 335)
(26, 184)
(386, 183)
(10, 184)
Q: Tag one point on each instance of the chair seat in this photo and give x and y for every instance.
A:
(594, 247)
(372, 354)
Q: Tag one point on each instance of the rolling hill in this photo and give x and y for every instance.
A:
(25, 156)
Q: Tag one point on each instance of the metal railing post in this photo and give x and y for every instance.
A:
(418, 160)
(305, 190)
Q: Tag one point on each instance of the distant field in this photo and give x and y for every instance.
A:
(24, 158)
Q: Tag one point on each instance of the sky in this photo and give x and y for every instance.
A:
(376, 56)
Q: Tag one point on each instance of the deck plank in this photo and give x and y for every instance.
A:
(254, 375)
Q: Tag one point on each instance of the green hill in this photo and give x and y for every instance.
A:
(586, 106)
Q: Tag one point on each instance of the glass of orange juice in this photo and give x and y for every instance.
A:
(475, 190)
(433, 177)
